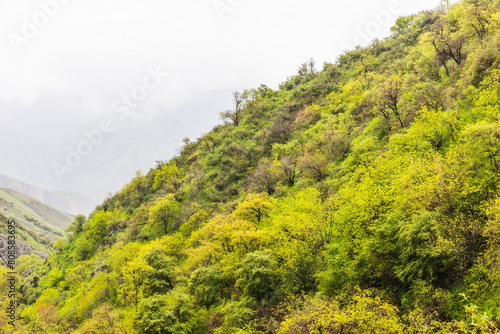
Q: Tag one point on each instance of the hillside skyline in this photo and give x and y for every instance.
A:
(55, 89)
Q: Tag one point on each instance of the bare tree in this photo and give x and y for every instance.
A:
(478, 21)
(235, 115)
(288, 171)
(389, 98)
(448, 46)
(265, 177)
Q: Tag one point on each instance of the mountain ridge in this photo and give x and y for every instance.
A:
(68, 201)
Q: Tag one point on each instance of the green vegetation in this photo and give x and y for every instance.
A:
(39, 226)
(362, 198)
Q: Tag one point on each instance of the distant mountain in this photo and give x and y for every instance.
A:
(28, 152)
(65, 200)
(38, 225)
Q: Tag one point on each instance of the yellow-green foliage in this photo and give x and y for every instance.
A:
(364, 314)
(360, 198)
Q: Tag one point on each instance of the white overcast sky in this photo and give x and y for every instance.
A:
(63, 80)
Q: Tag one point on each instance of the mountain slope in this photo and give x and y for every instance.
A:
(362, 198)
(68, 201)
(38, 224)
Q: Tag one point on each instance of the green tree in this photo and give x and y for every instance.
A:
(163, 212)
(299, 232)
(257, 275)
(162, 277)
(255, 207)
(365, 314)
(77, 224)
(207, 286)
(166, 314)
(168, 177)
(135, 279)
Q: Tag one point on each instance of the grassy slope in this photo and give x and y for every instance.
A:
(40, 225)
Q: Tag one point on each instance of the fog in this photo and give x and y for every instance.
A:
(67, 66)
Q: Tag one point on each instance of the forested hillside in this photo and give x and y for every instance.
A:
(360, 198)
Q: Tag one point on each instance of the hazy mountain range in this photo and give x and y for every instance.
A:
(29, 150)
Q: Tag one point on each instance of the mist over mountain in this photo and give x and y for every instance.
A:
(73, 202)
(137, 143)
